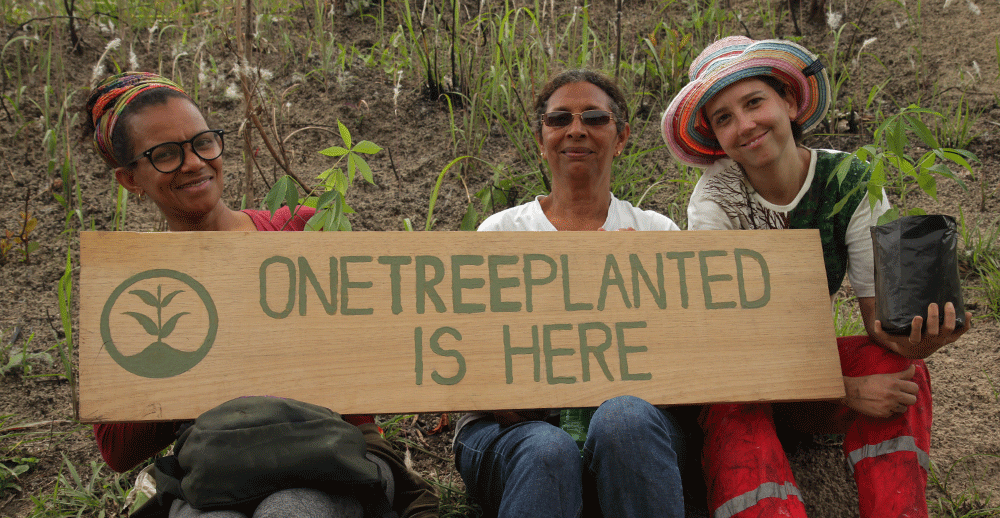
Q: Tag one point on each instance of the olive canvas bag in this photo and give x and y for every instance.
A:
(243, 450)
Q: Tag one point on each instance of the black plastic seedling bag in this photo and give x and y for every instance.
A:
(916, 263)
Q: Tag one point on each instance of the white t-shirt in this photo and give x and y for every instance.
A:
(529, 217)
(621, 215)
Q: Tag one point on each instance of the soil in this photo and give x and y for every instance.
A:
(934, 54)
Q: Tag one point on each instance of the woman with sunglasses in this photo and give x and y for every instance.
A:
(156, 139)
(517, 463)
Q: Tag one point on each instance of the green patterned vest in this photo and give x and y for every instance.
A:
(814, 209)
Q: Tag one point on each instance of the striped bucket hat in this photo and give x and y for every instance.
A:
(685, 130)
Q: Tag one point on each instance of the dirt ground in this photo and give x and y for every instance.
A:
(947, 48)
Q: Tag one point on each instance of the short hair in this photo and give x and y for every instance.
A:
(619, 106)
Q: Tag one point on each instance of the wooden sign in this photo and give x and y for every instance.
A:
(172, 324)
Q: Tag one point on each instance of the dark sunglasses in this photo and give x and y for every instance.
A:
(589, 117)
(169, 156)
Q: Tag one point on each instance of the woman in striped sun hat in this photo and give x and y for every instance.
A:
(741, 118)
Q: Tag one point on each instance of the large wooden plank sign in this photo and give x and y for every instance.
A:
(172, 324)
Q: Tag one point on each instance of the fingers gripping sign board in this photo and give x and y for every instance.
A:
(173, 324)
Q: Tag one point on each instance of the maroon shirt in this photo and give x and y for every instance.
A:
(125, 445)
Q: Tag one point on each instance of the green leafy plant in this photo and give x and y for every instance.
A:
(894, 169)
(328, 198)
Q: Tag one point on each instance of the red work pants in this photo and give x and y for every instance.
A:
(747, 472)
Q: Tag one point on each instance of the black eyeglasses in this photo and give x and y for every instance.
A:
(169, 156)
(589, 117)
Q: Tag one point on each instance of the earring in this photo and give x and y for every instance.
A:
(141, 195)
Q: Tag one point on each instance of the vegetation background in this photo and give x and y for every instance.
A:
(444, 87)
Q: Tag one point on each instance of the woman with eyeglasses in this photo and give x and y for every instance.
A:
(157, 141)
(522, 463)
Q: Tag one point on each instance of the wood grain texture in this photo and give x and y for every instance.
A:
(440, 321)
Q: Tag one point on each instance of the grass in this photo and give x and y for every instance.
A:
(959, 486)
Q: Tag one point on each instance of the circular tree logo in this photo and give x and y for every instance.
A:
(150, 294)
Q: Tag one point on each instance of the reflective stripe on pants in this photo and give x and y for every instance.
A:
(748, 475)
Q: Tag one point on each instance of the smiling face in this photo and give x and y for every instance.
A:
(189, 194)
(752, 122)
(579, 152)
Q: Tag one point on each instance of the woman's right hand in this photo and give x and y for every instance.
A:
(509, 417)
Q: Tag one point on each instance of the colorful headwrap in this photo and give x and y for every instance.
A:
(109, 99)
(686, 132)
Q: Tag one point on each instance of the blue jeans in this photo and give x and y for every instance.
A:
(535, 469)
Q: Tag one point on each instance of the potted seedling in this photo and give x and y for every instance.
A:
(916, 259)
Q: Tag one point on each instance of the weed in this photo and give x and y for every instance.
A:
(12, 468)
(955, 126)
(993, 387)
(392, 427)
(980, 249)
(990, 276)
(20, 361)
(20, 242)
(75, 494)
(960, 486)
(846, 317)
(454, 502)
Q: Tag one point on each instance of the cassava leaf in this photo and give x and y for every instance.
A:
(366, 172)
(943, 170)
(352, 167)
(960, 157)
(841, 171)
(896, 136)
(889, 215)
(282, 190)
(367, 147)
(335, 151)
(927, 183)
(922, 131)
(345, 135)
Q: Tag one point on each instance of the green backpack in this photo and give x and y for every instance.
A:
(243, 450)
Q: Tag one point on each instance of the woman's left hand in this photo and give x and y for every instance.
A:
(919, 345)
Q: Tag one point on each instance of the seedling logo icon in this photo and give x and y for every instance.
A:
(158, 358)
